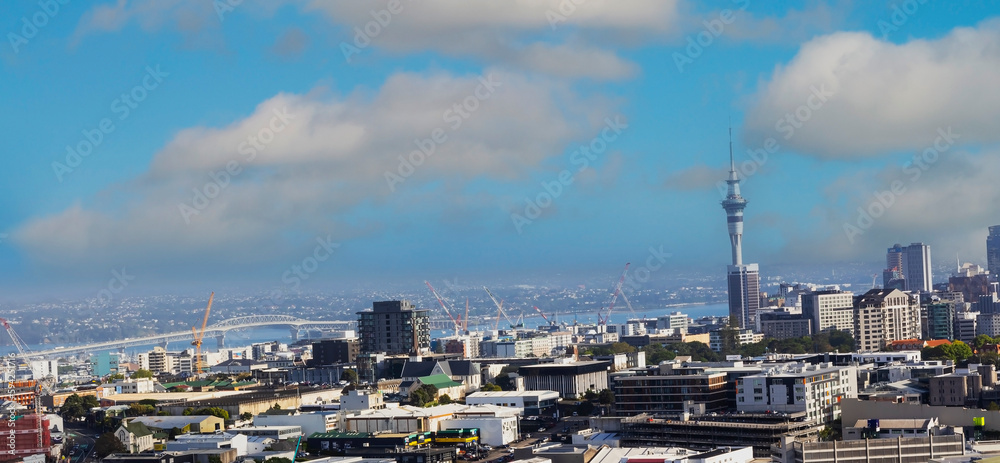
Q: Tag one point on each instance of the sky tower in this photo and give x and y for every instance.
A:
(734, 205)
(743, 280)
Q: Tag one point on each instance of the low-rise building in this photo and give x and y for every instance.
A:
(309, 422)
(569, 380)
(814, 389)
(529, 403)
(135, 436)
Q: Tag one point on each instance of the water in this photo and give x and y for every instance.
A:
(234, 338)
(618, 317)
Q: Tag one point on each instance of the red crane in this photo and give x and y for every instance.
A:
(614, 297)
(457, 322)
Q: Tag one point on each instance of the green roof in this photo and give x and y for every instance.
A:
(439, 381)
(138, 429)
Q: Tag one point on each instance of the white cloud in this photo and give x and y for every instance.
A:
(948, 205)
(885, 97)
(313, 175)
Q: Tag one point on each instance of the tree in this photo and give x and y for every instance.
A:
(960, 351)
(350, 376)
(213, 411)
(138, 409)
(622, 348)
(246, 416)
(76, 407)
(590, 395)
(108, 444)
(993, 407)
(445, 399)
(982, 340)
(490, 387)
(504, 380)
(585, 408)
(142, 373)
(606, 397)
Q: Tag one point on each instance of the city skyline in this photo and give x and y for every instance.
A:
(297, 146)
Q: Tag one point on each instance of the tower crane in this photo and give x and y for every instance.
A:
(25, 353)
(199, 336)
(457, 322)
(465, 321)
(500, 311)
(543, 315)
(614, 297)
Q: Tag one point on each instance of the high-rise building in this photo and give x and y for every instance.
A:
(394, 327)
(743, 280)
(941, 320)
(829, 309)
(917, 267)
(892, 276)
(993, 251)
(885, 315)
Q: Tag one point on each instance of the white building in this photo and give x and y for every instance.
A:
(789, 388)
(743, 337)
(829, 309)
(309, 422)
(209, 441)
(885, 315)
(494, 430)
(132, 386)
(273, 432)
(362, 400)
(528, 403)
(45, 369)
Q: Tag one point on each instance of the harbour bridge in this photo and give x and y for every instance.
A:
(218, 330)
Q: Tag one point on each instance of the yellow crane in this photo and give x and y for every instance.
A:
(199, 336)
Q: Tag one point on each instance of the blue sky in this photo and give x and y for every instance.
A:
(869, 85)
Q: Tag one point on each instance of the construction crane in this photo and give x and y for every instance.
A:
(500, 311)
(874, 277)
(458, 323)
(543, 315)
(629, 304)
(199, 336)
(25, 352)
(614, 297)
(465, 321)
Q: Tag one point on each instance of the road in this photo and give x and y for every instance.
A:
(79, 434)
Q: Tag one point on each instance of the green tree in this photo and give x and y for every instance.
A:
(213, 411)
(590, 395)
(982, 340)
(72, 408)
(960, 351)
(138, 409)
(107, 444)
(445, 399)
(246, 416)
(606, 397)
(504, 380)
(350, 376)
(142, 373)
(490, 387)
(622, 348)
(993, 407)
